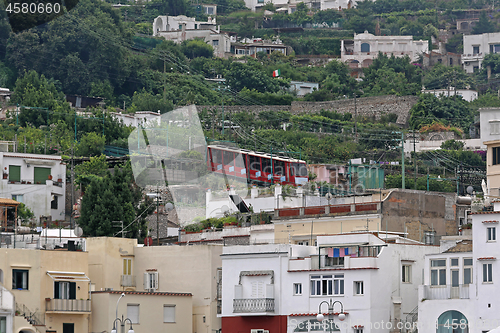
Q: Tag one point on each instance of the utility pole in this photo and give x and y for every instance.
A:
(414, 161)
(403, 157)
(158, 217)
(164, 78)
(355, 120)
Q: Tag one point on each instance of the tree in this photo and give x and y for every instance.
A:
(95, 168)
(484, 25)
(91, 144)
(452, 145)
(115, 197)
(24, 213)
(443, 77)
(196, 48)
(145, 101)
(251, 76)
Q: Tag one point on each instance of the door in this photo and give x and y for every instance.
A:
(68, 328)
(455, 290)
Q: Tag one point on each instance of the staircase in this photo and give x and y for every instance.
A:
(36, 319)
(410, 322)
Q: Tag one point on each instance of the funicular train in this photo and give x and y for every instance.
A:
(256, 167)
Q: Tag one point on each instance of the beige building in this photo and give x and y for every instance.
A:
(51, 289)
(148, 312)
(120, 264)
(186, 269)
(493, 167)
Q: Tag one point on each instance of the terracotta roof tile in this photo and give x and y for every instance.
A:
(141, 293)
(463, 246)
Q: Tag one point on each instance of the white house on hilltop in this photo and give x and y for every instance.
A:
(38, 181)
(360, 51)
(373, 279)
(476, 47)
(181, 28)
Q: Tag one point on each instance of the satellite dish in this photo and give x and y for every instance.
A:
(470, 189)
(78, 231)
(169, 206)
(224, 209)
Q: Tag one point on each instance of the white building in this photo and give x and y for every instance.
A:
(38, 181)
(467, 94)
(372, 279)
(181, 28)
(303, 88)
(360, 51)
(7, 308)
(460, 284)
(476, 47)
(139, 118)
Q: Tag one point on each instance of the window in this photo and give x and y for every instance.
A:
(297, 288)
(494, 127)
(15, 173)
(487, 272)
(169, 313)
(327, 285)
(475, 50)
(492, 234)
(133, 313)
(41, 175)
(467, 270)
(64, 290)
(454, 262)
(127, 266)
(3, 324)
(451, 61)
(358, 288)
(215, 42)
(266, 165)
(254, 162)
(18, 197)
(406, 274)
(210, 10)
(330, 262)
(279, 167)
(438, 272)
(496, 155)
(20, 279)
(54, 202)
(358, 330)
(196, 26)
(365, 47)
(180, 26)
(68, 328)
(151, 281)
(303, 243)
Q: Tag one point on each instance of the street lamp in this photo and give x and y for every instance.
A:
(320, 317)
(122, 325)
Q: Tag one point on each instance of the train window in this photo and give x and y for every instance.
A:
(217, 156)
(240, 161)
(228, 158)
(266, 165)
(254, 163)
(279, 168)
(299, 170)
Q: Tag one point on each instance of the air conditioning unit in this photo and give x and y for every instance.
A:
(259, 331)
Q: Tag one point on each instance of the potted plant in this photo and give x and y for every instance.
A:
(5, 175)
(59, 180)
(50, 177)
(23, 182)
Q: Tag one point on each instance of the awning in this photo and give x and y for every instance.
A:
(68, 276)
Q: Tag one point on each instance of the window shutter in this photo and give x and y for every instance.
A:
(72, 290)
(56, 290)
(146, 281)
(156, 281)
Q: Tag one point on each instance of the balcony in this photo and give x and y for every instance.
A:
(446, 292)
(127, 281)
(67, 305)
(252, 305)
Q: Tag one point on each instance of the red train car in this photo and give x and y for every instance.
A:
(257, 168)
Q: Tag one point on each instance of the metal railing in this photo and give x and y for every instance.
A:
(410, 321)
(34, 318)
(67, 305)
(249, 305)
(128, 281)
(446, 292)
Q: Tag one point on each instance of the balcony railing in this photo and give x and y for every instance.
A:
(67, 305)
(128, 281)
(249, 305)
(446, 292)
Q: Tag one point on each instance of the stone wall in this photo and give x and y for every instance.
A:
(366, 106)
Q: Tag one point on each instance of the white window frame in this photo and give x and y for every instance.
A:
(151, 281)
(491, 234)
(130, 315)
(406, 273)
(327, 285)
(439, 270)
(358, 330)
(359, 288)
(487, 273)
(168, 306)
(297, 289)
(471, 268)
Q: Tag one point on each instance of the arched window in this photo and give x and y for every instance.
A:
(365, 47)
(452, 322)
